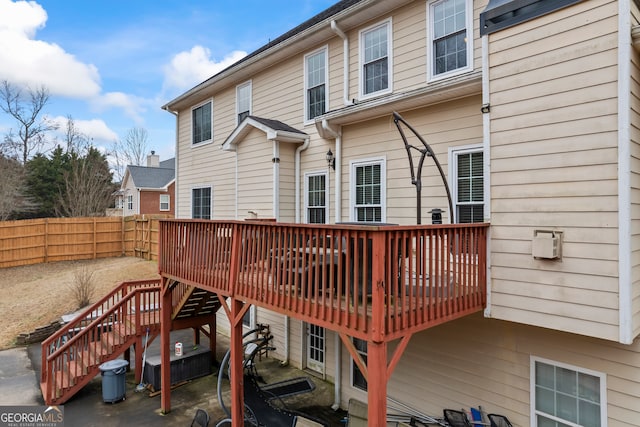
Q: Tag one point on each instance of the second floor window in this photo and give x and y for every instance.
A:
(243, 101)
(450, 36)
(375, 57)
(201, 123)
(130, 202)
(368, 192)
(316, 82)
(164, 202)
(201, 203)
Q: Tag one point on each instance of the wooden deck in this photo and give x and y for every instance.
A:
(371, 282)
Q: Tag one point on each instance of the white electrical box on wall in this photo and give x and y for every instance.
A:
(547, 244)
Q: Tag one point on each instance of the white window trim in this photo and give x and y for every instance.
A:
(238, 88)
(430, 58)
(207, 141)
(195, 187)
(453, 172)
(306, 193)
(168, 202)
(389, 24)
(383, 181)
(307, 120)
(532, 383)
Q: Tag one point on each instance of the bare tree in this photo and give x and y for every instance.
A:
(130, 151)
(87, 188)
(31, 133)
(12, 189)
(75, 140)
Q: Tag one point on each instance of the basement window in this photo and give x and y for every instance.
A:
(501, 14)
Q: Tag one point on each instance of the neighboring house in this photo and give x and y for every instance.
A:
(532, 109)
(149, 189)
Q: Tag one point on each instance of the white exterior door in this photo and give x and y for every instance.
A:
(315, 347)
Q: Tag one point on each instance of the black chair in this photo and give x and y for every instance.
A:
(201, 419)
(456, 418)
(499, 421)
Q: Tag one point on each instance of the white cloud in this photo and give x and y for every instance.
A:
(96, 129)
(131, 105)
(29, 62)
(190, 68)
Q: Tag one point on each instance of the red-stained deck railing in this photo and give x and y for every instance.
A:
(71, 356)
(371, 282)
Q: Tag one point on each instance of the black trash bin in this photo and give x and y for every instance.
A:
(114, 380)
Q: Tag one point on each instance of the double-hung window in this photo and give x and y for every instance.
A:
(316, 70)
(164, 202)
(468, 180)
(201, 123)
(368, 191)
(130, 202)
(316, 198)
(243, 101)
(201, 203)
(566, 396)
(450, 37)
(375, 58)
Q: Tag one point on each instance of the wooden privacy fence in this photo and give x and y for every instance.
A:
(35, 241)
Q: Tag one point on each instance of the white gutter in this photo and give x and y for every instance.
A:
(486, 142)
(296, 162)
(175, 202)
(297, 178)
(624, 173)
(337, 135)
(345, 66)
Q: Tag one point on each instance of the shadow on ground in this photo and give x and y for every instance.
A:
(87, 407)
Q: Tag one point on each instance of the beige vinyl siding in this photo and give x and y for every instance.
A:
(255, 175)
(475, 361)
(446, 125)
(287, 182)
(554, 166)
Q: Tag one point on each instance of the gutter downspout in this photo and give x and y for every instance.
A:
(337, 135)
(175, 196)
(345, 65)
(276, 180)
(296, 162)
(486, 148)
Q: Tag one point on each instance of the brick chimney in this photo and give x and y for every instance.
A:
(153, 160)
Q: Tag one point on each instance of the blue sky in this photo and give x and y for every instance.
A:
(112, 64)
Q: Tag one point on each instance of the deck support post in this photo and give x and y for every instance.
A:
(237, 357)
(377, 383)
(165, 347)
(213, 332)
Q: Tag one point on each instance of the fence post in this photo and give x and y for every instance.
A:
(46, 240)
(95, 238)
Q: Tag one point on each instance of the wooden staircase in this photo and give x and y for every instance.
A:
(71, 357)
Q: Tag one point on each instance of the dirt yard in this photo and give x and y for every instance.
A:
(34, 296)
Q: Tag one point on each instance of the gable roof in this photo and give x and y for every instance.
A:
(151, 177)
(275, 130)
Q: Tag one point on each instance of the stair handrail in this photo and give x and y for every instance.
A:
(124, 287)
(98, 320)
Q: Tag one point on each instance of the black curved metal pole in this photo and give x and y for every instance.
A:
(416, 177)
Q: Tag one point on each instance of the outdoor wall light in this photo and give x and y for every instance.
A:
(331, 160)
